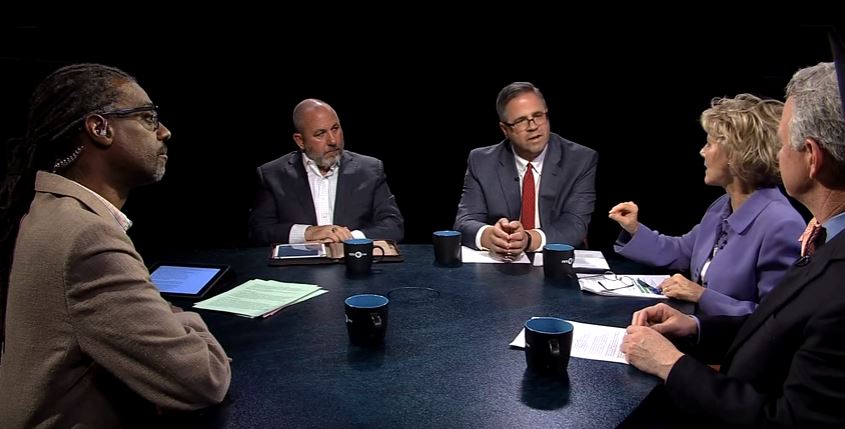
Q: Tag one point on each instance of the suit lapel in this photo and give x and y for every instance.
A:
(345, 186)
(795, 279)
(298, 179)
(509, 181)
(550, 179)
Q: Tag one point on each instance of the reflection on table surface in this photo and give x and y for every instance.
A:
(445, 361)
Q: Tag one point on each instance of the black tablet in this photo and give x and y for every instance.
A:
(304, 250)
(186, 280)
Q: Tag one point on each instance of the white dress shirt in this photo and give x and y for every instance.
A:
(323, 192)
(521, 168)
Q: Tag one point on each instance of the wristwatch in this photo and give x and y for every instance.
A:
(527, 241)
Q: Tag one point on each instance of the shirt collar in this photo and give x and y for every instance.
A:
(119, 216)
(537, 163)
(834, 226)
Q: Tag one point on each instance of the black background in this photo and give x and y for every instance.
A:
(419, 98)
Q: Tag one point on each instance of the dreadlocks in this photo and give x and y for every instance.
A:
(57, 110)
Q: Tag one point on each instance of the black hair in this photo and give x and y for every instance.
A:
(57, 110)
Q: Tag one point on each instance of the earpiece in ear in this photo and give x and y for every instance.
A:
(103, 129)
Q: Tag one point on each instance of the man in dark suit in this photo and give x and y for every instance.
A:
(784, 364)
(321, 192)
(506, 214)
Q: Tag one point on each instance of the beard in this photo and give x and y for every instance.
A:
(325, 162)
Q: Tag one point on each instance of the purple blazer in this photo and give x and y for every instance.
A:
(762, 242)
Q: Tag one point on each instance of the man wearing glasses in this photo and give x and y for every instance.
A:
(321, 192)
(89, 341)
(532, 188)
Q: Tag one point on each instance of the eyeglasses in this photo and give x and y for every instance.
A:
(150, 120)
(522, 124)
(625, 281)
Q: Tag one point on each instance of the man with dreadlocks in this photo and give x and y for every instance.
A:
(89, 341)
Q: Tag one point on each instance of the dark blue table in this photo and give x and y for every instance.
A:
(446, 360)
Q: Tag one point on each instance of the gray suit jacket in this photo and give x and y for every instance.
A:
(89, 340)
(566, 198)
(363, 200)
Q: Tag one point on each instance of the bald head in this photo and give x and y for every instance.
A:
(304, 107)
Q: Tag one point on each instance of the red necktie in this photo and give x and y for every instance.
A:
(528, 196)
(812, 236)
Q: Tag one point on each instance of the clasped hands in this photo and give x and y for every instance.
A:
(505, 238)
(327, 233)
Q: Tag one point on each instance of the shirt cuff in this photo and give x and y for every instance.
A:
(358, 234)
(297, 233)
(478, 237)
(698, 329)
(542, 239)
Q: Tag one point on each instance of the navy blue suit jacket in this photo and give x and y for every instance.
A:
(363, 200)
(783, 365)
(566, 198)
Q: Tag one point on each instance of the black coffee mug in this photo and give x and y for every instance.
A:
(557, 260)
(366, 319)
(358, 255)
(548, 342)
(447, 248)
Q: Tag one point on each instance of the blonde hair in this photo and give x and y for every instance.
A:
(747, 126)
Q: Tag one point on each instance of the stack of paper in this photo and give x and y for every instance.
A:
(263, 298)
(633, 285)
(472, 256)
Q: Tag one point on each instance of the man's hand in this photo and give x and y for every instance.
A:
(665, 320)
(506, 238)
(649, 351)
(327, 233)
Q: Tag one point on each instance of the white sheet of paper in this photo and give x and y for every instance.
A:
(257, 297)
(472, 256)
(590, 283)
(595, 342)
(584, 259)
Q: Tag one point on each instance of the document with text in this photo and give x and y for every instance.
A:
(594, 342)
(257, 297)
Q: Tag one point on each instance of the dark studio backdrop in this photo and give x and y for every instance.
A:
(420, 104)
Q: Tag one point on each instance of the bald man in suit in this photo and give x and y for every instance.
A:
(322, 192)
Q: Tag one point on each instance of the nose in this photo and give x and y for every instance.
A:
(701, 151)
(163, 133)
(333, 138)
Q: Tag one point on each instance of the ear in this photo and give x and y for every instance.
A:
(504, 129)
(97, 129)
(297, 138)
(815, 157)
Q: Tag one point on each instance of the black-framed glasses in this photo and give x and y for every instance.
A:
(522, 124)
(150, 120)
(625, 281)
